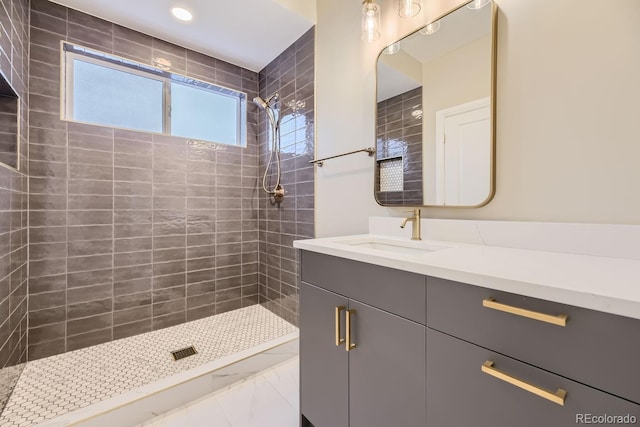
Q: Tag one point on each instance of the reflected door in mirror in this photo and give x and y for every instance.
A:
(462, 154)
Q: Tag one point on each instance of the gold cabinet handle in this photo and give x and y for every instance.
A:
(557, 397)
(339, 340)
(559, 320)
(349, 346)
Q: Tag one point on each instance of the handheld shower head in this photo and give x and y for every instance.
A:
(273, 97)
(273, 112)
(260, 102)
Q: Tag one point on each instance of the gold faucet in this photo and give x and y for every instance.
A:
(415, 219)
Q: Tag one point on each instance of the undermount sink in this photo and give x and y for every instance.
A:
(395, 246)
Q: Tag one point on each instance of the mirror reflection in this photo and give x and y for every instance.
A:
(434, 113)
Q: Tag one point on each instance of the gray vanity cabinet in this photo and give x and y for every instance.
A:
(324, 367)
(460, 393)
(386, 370)
(576, 349)
(510, 360)
(380, 382)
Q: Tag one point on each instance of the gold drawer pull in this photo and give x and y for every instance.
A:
(559, 320)
(557, 397)
(339, 340)
(349, 346)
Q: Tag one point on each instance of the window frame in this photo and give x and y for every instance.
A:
(70, 52)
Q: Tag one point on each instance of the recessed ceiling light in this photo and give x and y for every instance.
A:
(182, 14)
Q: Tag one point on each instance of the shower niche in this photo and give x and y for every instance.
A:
(9, 124)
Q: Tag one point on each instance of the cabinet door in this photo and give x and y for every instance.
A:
(324, 376)
(386, 370)
(461, 393)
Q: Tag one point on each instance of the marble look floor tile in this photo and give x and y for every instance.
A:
(286, 379)
(265, 400)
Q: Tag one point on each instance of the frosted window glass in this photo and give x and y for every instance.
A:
(116, 92)
(203, 114)
(116, 98)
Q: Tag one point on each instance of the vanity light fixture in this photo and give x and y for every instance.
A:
(392, 49)
(182, 14)
(408, 8)
(478, 4)
(430, 29)
(370, 21)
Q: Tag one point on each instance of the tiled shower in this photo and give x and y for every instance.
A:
(291, 74)
(14, 45)
(130, 232)
(399, 138)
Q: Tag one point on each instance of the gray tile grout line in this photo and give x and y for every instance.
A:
(66, 195)
(186, 212)
(186, 206)
(113, 227)
(153, 214)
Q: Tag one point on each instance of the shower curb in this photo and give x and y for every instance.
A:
(145, 403)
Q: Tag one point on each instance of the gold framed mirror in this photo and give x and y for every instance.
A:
(435, 115)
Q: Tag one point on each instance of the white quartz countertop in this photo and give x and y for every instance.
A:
(605, 284)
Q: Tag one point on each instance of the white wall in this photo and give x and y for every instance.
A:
(306, 8)
(568, 127)
(404, 63)
(449, 82)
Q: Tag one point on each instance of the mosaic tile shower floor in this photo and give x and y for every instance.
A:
(63, 383)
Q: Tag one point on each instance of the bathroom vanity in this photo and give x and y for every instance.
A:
(344, 366)
(465, 335)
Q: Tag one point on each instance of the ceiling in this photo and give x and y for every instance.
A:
(249, 33)
(392, 82)
(458, 29)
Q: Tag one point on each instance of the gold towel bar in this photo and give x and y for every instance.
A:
(370, 150)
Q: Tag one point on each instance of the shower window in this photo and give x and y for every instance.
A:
(106, 90)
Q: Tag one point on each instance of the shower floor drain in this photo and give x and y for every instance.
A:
(185, 352)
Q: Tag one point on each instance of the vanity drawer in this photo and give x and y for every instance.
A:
(460, 393)
(594, 348)
(399, 292)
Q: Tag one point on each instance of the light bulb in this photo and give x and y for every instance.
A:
(408, 8)
(431, 28)
(370, 21)
(182, 14)
(392, 49)
(478, 4)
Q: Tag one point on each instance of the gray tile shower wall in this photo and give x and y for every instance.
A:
(292, 75)
(399, 134)
(14, 48)
(131, 232)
